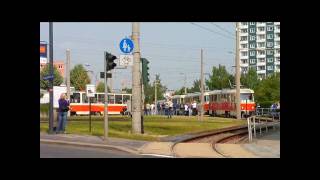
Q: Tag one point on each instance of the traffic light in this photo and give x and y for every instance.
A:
(145, 71)
(110, 61)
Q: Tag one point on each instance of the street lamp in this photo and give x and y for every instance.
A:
(92, 73)
(185, 81)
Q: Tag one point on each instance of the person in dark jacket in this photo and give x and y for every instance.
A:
(63, 113)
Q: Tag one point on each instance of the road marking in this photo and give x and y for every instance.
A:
(158, 155)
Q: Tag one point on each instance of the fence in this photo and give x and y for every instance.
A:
(255, 122)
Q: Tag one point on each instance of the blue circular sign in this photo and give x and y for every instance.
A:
(126, 45)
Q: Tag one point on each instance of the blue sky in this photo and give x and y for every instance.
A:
(172, 48)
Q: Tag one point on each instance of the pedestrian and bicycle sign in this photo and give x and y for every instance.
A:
(126, 60)
(48, 77)
(126, 45)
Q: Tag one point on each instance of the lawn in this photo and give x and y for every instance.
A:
(154, 126)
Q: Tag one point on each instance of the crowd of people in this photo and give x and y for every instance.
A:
(169, 108)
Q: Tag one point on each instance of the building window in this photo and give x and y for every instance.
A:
(269, 28)
(252, 38)
(277, 35)
(244, 30)
(244, 23)
(269, 60)
(269, 44)
(252, 53)
(269, 52)
(243, 38)
(252, 30)
(261, 67)
(244, 69)
(244, 53)
(270, 67)
(278, 27)
(278, 59)
(262, 60)
(270, 36)
(261, 44)
(261, 53)
(252, 61)
(244, 45)
(278, 66)
(252, 23)
(261, 37)
(261, 29)
(277, 43)
(278, 51)
(244, 61)
(252, 45)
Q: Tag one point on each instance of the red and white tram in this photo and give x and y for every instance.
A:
(221, 102)
(79, 104)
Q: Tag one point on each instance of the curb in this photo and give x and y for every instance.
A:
(90, 145)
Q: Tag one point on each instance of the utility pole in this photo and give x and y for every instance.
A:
(136, 81)
(155, 94)
(51, 80)
(202, 88)
(106, 122)
(237, 74)
(185, 83)
(68, 75)
(111, 80)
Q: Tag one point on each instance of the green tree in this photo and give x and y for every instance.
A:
(181, 91)
(250, 80)
(127, 90)
(100, 87)
(57, 80)
(268, 90)
(219, 79)
(149, 91)
(196, 86)
(79, 77)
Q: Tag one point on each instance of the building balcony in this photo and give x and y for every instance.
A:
(276, 30)
(244, 64)
(276, 55)
(241, 26)
(261, 24)
(276, 23)
(261, 32)
(261, 40)
(276, 62)
(261, 63)
(261, 71)
(261, 55)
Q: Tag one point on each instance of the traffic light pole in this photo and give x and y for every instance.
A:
(51, 80)
(106, 122)
(136, 82)
(237, 73)
(202, 88)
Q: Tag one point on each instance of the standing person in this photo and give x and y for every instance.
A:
(166, 107)
(190, 109)
(63, 112)
(170, 109)
(158, 107)
(186, 111)
(148, 109)
(152, 109)
(194, 108)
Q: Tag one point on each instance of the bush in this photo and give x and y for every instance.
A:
(44, 108)
(265, 104)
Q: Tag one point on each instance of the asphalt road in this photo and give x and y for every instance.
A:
(68, 151)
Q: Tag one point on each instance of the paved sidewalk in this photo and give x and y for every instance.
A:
(130, 146)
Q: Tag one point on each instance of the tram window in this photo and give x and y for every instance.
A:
(94, 99)
(245, 96)
(126, 98)
(118, 99)
(111, 99)
(84, 98)
(75, 98)
(100, 98)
